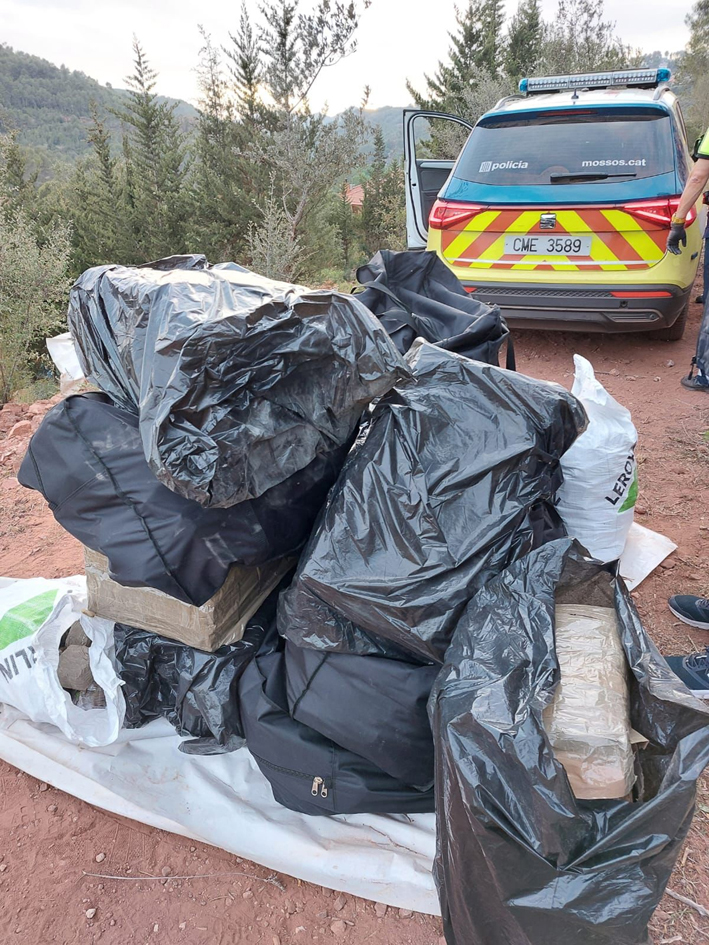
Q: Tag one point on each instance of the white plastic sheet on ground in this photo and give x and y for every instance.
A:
(224, 800)
(644, 551)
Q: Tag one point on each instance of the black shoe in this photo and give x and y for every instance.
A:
(700, 298)
(698, 382)
(693, 671)
(690, 609)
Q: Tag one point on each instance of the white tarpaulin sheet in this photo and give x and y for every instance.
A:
(224, 800)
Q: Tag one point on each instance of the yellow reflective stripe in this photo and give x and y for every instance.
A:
(479, 223)
(631, 230)
(524, 222)
(573, 222)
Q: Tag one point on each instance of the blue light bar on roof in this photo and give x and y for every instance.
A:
(640, 78)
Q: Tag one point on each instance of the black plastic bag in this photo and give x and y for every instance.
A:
(372, 706)
(453, 480)
(196, 692)
(415, 295)
(87, 461)
(521, 861)
(308, 772)
(239, 382)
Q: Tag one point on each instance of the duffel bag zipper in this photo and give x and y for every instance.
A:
(318, 785)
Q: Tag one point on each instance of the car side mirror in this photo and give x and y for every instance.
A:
(695, 149)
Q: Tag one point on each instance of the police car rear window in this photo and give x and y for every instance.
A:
(567, 147)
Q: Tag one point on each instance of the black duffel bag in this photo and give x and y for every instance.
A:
(309, 773)
(87, 460)
(372, 706)
(415, 295)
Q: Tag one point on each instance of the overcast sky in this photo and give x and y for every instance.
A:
(398, 39)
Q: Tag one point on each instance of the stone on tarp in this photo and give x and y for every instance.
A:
(74, 670)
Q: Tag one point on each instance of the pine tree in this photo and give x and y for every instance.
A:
(372, 218)
(493, 43)
(155, 157)
(220, 185)
(580, 39)
(524, 40)
(693, 72)
(101, 232)
(477, 44)
(245, 68)
(282, 72)
(344, 220)
(18, 185)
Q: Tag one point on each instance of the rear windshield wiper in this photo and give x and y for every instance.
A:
(582, 178)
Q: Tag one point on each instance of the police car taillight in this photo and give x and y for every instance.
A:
(659, 212)
(640, 78)
(447, 213)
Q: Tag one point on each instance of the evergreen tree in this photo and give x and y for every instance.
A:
(245, 68)
(221, 190)
(155, 158)
(693, 72)
(372, 219)
(19, 185)
(524, 40)
(492, 53)
(580, 39)
(101, 231)
(476, 45)
(344, 219)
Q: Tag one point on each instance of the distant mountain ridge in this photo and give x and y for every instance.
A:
(49, 107)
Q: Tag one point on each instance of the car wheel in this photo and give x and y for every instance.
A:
(676, 331)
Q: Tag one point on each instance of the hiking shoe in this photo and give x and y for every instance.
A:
(690, 609)
(693, 671)
(698, 382)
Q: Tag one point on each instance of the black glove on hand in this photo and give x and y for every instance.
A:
(676, 239)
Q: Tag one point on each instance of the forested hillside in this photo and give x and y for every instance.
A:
(50, 106)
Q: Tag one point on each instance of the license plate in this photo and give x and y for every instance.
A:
(538, 245)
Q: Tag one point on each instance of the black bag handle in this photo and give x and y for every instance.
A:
(510, 359)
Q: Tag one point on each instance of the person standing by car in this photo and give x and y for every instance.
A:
(705, 267)
(677, 238)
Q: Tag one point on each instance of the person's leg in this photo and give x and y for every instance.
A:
(700, 380)
(705, 272)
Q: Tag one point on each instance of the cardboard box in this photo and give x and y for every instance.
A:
(221, 620)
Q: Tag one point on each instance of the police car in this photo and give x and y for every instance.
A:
(558, 206)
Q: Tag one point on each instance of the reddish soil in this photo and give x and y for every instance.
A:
(50, 838)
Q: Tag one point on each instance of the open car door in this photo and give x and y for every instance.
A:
(432, 143)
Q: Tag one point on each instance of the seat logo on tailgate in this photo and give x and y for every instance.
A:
(547, 221)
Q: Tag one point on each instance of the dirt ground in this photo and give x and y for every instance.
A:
(49, 840)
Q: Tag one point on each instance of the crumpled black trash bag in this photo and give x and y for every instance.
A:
(239, 382)
(520, 861)
(453, 480)
(196, 692)
(415, 295)
(87, 460)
